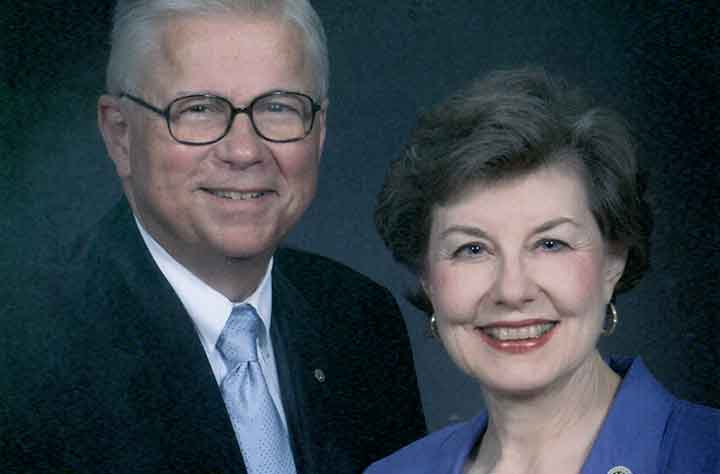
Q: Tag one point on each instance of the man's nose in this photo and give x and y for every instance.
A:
(514, 285)
(241, 146)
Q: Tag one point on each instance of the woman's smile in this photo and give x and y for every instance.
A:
(518, 338)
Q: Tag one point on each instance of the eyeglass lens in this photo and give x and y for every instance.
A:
(279, 117)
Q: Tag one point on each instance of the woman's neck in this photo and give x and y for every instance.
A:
(548, 431)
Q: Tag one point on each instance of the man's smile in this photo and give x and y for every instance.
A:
(236, 195)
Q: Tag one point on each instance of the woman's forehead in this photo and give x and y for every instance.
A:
(532, 199)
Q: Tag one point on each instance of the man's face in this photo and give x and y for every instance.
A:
(240, 196)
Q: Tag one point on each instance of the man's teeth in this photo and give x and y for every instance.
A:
(513, 334)
(237, 195)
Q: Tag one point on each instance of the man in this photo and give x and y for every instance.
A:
(128, 355)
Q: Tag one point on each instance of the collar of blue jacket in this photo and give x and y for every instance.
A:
(646, 431)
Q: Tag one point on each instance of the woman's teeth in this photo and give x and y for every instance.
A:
(519, 333)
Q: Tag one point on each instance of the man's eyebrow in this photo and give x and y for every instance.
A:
(185, 93)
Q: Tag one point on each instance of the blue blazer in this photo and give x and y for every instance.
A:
(102, 371)
(646, 431)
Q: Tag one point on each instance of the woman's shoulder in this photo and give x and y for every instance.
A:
(695, 417)
(436, 453)
(688, 433)
(692, 438)
(648, 429)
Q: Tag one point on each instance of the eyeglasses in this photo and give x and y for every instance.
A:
(203, 119)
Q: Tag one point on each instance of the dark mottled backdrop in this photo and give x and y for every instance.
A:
(657, 63)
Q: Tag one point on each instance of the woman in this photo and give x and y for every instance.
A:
(518, 207)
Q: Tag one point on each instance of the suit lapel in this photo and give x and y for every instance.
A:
(173, 391)
(297, 334)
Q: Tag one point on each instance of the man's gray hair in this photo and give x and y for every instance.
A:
(137, 25)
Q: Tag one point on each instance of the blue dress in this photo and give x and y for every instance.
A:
(646, 431)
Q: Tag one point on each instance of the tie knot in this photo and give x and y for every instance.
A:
(237, 341)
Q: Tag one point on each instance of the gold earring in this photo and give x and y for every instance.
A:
(433, 326)
(612, 316)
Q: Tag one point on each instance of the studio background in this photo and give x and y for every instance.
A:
(658, 64)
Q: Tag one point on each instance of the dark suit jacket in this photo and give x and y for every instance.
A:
(102, 370)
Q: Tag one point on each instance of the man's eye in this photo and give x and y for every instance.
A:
(279, 108)
(203, 108)
(552, 245)
(192, 110)
(200, 108)
(470, 250)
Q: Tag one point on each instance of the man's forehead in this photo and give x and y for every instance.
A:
(202, 35)
(193, 48)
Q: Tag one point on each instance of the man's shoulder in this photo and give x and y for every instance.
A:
(335, 290)
(114, 233)
(109, 238)
(313, 272)
(89, 274)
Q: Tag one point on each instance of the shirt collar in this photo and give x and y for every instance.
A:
(208, 308)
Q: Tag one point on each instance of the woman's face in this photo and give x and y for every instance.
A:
(520, 276)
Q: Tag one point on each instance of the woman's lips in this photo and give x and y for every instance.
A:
(518, 337)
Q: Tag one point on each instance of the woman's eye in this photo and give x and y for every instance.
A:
(470, 250)
(552, 245)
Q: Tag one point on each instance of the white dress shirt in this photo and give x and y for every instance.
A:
(210, 310)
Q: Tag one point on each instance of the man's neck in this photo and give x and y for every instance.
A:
(235, 278)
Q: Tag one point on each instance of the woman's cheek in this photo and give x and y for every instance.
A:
(583, 273)
(574, 284)
(456, 291)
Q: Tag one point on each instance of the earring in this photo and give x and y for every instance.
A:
(612, 316)
(433, 326)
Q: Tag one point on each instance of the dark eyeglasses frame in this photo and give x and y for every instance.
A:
(234, 111)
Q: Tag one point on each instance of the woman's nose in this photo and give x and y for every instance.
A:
(514, 285)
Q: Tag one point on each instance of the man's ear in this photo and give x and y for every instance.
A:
(321, 121)
(115, 131)
(615, 261)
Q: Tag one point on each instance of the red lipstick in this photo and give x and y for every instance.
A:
(518, 337)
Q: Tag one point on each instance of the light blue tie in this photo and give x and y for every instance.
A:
(262, 437)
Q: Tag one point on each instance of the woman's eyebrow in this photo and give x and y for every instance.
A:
(464, 229)
(551, 224)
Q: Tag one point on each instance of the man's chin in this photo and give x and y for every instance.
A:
(247, 251)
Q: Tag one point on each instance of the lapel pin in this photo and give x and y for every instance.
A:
(619, 470)
(319, 375)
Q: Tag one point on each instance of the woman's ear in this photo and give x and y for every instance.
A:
(427, 287)
(615, 260)
(114, 128)
(422, 297)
